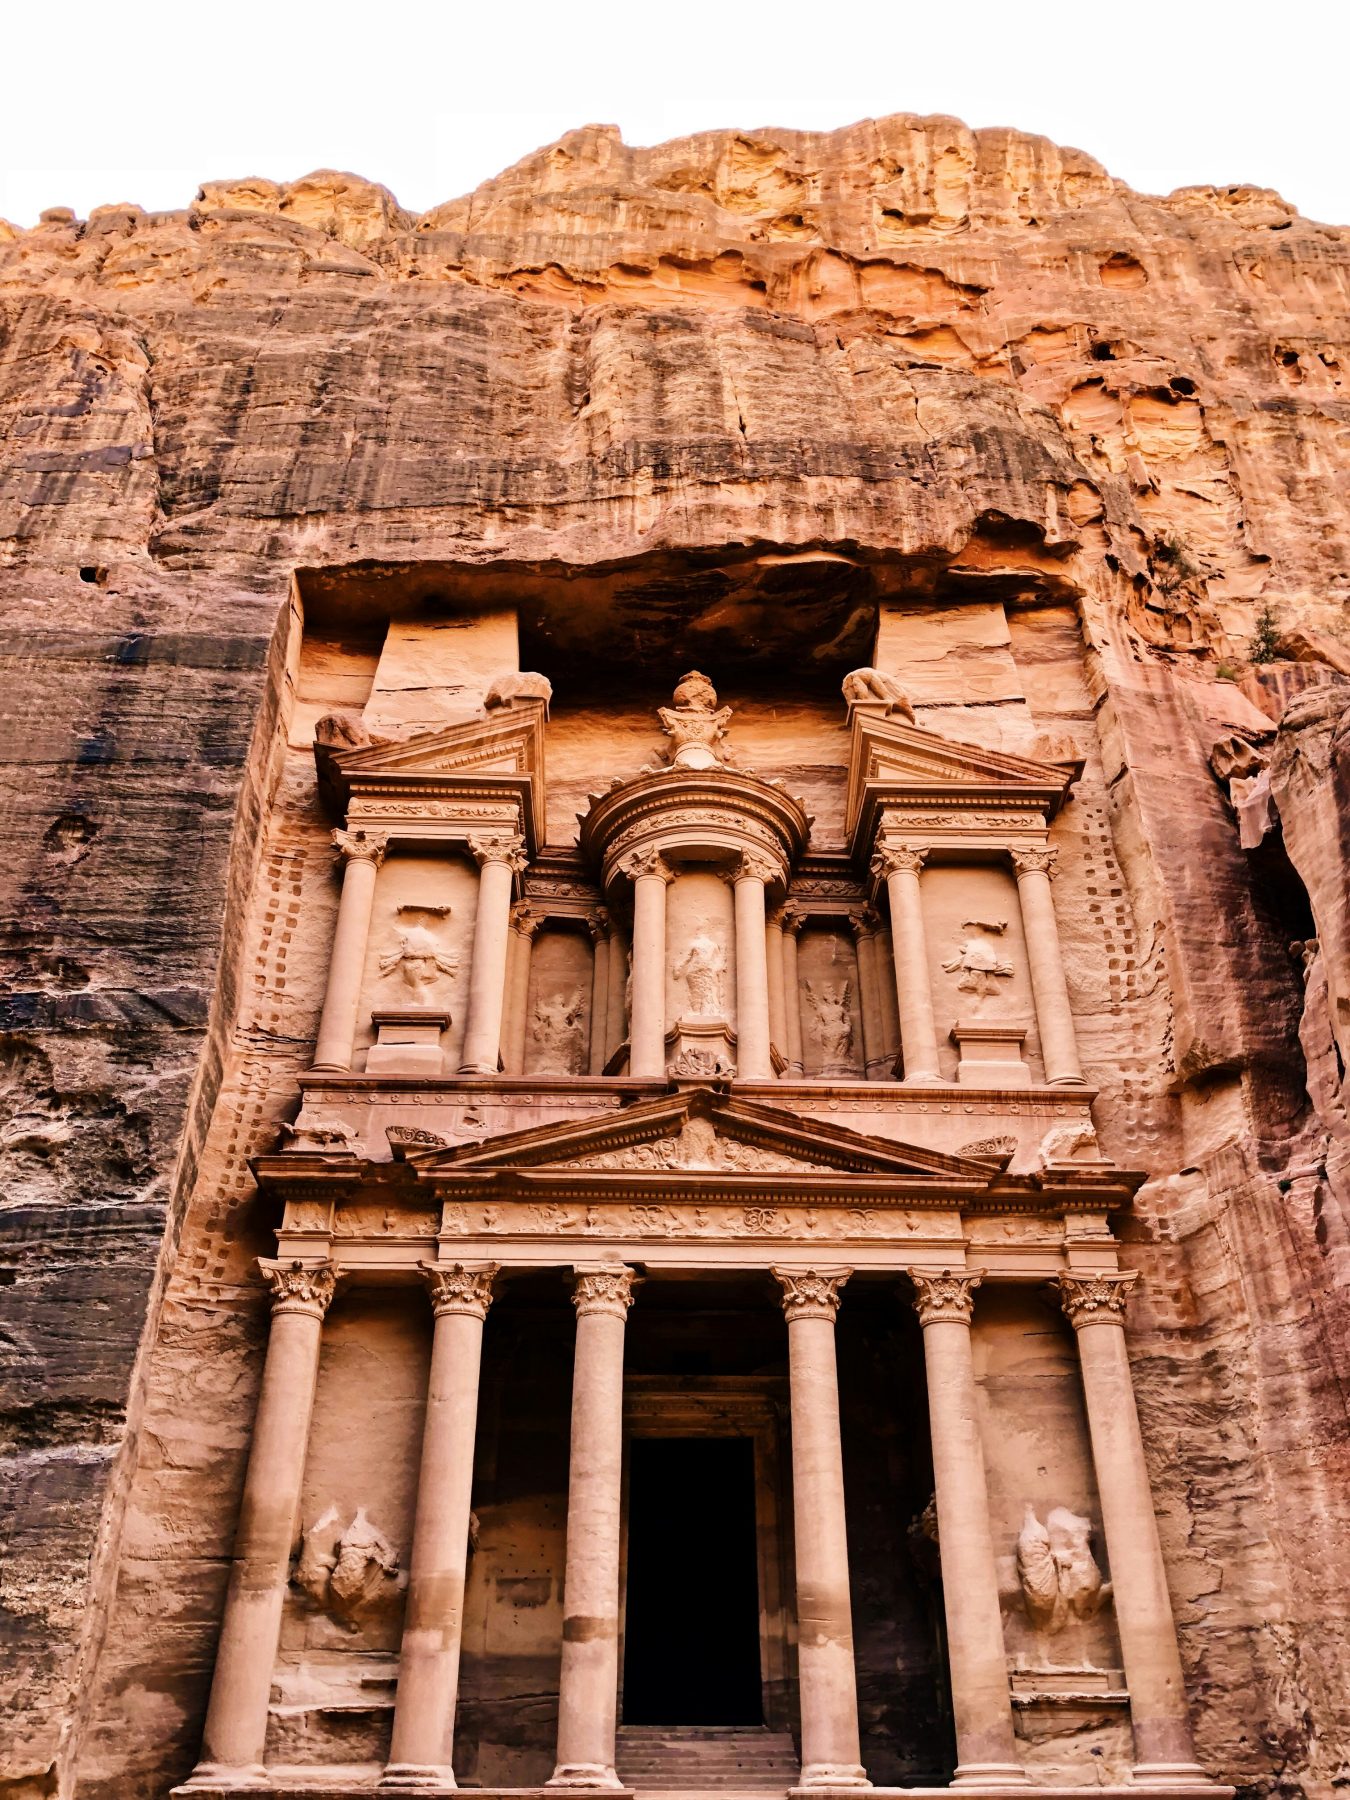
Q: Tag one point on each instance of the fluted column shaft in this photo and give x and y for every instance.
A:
(235, 1735)
(589, 1682)
(753, 1060)
(650, 876)
(362, 857)
(869, 994)
(831, 1746)
(899, 865)
(1054, 1015)
(773, 955)
(433, 1619)
(1148, 1639)
(500, 859)
(600, 942)
(981, 1700)
(792, 993)
(524, 925)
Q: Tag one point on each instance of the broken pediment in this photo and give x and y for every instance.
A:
(704, 1131)
(894, 763)
(502, 751)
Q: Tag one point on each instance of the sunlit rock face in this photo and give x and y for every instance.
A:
(953, 409)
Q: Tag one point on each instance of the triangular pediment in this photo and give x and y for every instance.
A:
(704, 1131)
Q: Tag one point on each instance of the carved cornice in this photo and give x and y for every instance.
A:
(890, 858)
(299, 1287)
(946, 1295)
(460, 1288)
(499, 847)
(1095, 1299)
(603, 1290)
(1035, 862)
(811, 1293)
(361, 846)
(638, 865)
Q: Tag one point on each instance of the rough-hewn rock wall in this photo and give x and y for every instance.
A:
(966, 362)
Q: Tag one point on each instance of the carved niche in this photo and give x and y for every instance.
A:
(1061, 1583)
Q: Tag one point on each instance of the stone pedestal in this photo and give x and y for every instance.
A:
(408, 1041)
(991, 1054)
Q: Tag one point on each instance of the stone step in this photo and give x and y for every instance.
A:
(685, 1759)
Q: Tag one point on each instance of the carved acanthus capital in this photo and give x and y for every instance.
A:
(811, 1293)
(361, 846)
(603, 1290)
(1035, 862)
(755, 868)
(638, 865)
(792, 918)
(944, 1295)
(499, 847)
(889, 859)
(299, 1287)
(460, 1289)
(864, 924)
(599, 925)
(1096, 1299)
(525, 920)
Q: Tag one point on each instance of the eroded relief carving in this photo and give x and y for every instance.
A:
(559, 1035)
(697, 1146)
(832, 1024)
(1061, 1582)
(347, 1571)
(418, 956)
(862, 687)
(976, 962)
(695, 724)
(698, 1062)
(702, 969)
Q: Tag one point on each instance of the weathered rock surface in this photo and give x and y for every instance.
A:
(929, 360)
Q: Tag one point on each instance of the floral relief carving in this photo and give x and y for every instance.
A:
(697, 1147)
(695, 724)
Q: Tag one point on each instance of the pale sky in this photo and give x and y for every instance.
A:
(143, 100)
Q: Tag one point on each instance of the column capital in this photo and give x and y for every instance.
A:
(810, 1293)
(361, 846)
(460, 1287)
(299, 1287)
(641, 863)
(498, 847)
(525, 921)
(792, 918)
(603, 1289)
(753, 867)
(598, 924)
(863, 924)
(946, 1294)
(1095, 1299)
(889, 859)
(1040, 861)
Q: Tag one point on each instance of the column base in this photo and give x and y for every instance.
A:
(1169, 1775)
(1066, 1081)
(207, 1776)
(924, 1081)
(984, 1775)
(587, 1775)
(477, 1069)
(832, 1775)
(411, 1778)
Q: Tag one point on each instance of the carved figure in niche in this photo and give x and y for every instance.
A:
(418, 956)
(558, 1034)
(346, 1572)
(1061, 1582)
(701, 969)
(834, 1025)
(976, 962)
(695, 725)
(862, 686)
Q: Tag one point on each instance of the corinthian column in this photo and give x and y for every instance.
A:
(361, 858)
(588, 1692)
(524, 925)
(869, 993)
(500, 858)
(650, 875)
(831, 1749)
(1054, 1016)
(899, 865)
(792, 993)
(773, 954)
(598, 927)
(236, 1715)
(981, 1703)
(1095, 1305)
(753, 1060)
(433, 1619)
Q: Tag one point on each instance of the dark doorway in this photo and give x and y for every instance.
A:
(691, 1644)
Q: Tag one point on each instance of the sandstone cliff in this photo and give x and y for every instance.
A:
(955, 362)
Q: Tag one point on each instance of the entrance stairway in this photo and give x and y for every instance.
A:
(688, 1758)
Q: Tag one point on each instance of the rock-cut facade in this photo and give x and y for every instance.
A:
(677, 982)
